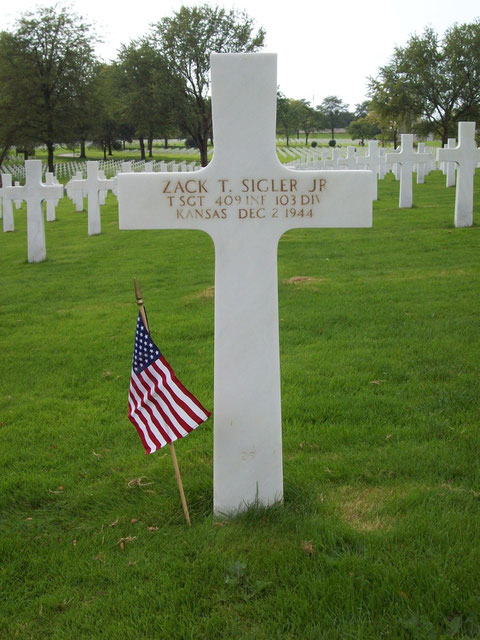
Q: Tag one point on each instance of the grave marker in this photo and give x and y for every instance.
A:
(374, 161)
(450, 167)
(92, 186)
(34, 192)
(245, 201)
(51, 204)
(8, 223)
(406, 157)
(467, 156)
(350, 161)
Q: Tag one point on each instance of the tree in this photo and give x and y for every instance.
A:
(335, 110)
(391, 107)
(106, 128)
(186, 41)
(50, 56)
(439, 79)
(361, 109)
(361, 129)
(144, 87)
(307, 117)
(287, 116)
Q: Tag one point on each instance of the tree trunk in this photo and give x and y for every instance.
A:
(165, 142)
(82, 150)
(306, 138)
(203, 147)
(150, 146)
(50, 156)
(288, 140)
(105, 152)
(25, 153)
(110, 152)
(142, 148)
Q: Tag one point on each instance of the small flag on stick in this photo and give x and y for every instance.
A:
(160, 407)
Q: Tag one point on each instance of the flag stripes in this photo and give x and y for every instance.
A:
(160, 407)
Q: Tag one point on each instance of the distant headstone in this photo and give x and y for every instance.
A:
(51, 204)
(421, 167)
(245, 201)
(76, 195)
(350, 161)
(34, 192)
(8, 223)
(407, 158)
(467, 156)
(92, 186)
(450, 167)
(373, 161)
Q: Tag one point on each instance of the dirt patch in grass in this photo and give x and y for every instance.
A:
(303, 280)
(362, 507)
(205, 294)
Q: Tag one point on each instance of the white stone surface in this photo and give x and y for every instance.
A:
(450, 167)
(374, 161)
(245, 201)
(76, 193)
(51, 204)
(421, 167)
(350, 161)
(8, 223)
(467, 156)
(407, 158)
(92, 186)
(34, 192)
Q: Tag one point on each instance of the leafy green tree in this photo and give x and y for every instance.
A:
(439, 79)
(186, 41)
(361, 110)
(307, 117)
(391, 106)
(287, 116)
(50, 54)
(145, 90)
(335, 111)
(361, 129)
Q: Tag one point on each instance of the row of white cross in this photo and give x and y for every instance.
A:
(465, 156)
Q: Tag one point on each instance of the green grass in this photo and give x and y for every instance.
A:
(379, 533)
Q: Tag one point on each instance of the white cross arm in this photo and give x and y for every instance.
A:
(453, 155)
(40, 191)
(281, 198)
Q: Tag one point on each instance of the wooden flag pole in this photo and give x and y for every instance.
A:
(138, 295)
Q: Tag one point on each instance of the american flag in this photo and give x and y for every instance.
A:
(160, 407)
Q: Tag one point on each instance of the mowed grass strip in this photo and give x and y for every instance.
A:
(378, 536)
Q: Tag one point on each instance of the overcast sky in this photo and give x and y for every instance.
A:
(324, 48)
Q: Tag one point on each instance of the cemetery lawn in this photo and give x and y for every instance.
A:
(379, 534)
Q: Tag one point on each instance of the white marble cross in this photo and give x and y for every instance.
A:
(374, 161)
(406, 157)
(92, 186)
(450, 167)
(8, 223)
(76, 194)
(421, 167)
(245, 201)
(51, 204)
(34, 192)
(467, 156)
(350, 161)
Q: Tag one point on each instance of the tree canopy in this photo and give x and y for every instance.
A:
(186, 41)
(431, 83)
(46, 66)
